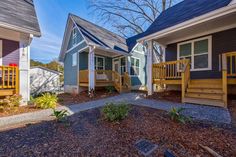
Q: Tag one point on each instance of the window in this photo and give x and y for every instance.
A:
(198, 51)
(99, 63)
(122, 65)
(134, 69)
(74, 36)
(74, 59)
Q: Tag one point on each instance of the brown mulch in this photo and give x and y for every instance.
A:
(18, 110)
(173, 96)
(70, 99)
(89, 135)
(232, 108)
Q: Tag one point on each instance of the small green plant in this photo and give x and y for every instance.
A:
(10, 102)
(115, 112)
(60, 115)
(110, 89)
(45, 101)
(175, 115)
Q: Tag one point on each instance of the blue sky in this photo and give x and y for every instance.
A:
(52, 16)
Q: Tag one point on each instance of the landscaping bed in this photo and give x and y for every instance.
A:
(71, 99)
(88, 134)
(173, 96)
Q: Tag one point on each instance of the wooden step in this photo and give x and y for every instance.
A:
(207, 81)
(208, 86)
(204, 95)
(205, 90)
(201, 101)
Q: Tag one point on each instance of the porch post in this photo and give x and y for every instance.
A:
(149, 67)
(91, 69)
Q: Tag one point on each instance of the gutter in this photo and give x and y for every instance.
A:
(203, 18)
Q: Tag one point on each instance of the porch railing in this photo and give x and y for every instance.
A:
(228, 70)
(107, 76)
(9, 78)
(173, 70)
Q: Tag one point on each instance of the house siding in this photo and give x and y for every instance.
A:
(222, 42)
(78, 39)
(71, 71)
(10, 52)
(140, 80)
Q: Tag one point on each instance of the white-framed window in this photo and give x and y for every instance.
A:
(74, 36)
(99, 63)
(135, 66)
(198, 51)
(74, 59)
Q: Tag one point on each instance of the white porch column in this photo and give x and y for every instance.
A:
(149, 67)
(24, 73)
(91, 68)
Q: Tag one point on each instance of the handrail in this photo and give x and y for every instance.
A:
(127, 80)
(185, 78)
(9, 78)
(169, 70)
(230, 66)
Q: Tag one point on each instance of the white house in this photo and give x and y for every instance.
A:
(44, 80)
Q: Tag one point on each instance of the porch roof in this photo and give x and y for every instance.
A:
(183, 11)
(19, 15)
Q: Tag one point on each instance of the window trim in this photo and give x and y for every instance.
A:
(74, 36)
(74, 62)
(209, 38)
(135, 66)
(103, 58)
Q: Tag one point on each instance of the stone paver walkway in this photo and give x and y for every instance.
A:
(198, 112)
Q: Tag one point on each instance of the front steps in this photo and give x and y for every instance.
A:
(206, 92)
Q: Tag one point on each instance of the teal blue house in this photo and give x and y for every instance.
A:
(95, 57)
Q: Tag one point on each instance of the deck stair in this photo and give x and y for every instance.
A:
(207, 92)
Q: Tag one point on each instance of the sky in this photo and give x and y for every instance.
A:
(52, 16)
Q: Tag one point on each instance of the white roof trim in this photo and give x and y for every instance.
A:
(206, 17)
(232, 2)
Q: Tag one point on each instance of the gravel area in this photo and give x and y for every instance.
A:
(88, 134)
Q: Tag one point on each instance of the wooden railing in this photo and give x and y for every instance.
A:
(228, 70)
(9, 78)
(173, 70)
(169, 70)
(107, 76)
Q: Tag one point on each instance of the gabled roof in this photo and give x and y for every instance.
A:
(184, 11)
(19, 15)
(97, 35)
(132, 41)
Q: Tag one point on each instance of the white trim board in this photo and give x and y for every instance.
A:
(1, 52)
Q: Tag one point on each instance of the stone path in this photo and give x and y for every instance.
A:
(198, 112)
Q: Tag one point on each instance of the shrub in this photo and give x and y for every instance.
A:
(110, 89)
(175, 115)
(115, 112)
(45, 101)
(60, 115)
(10, 102)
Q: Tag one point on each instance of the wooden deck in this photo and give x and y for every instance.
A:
(9, 80)
(106, 78)
(202, 91)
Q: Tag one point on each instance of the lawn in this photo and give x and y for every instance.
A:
(88, 134)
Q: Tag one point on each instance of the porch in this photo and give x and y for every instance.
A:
(9, 80)
(106, 78)
(206, 91)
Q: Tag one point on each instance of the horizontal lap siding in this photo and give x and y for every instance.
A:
(10, 50)
(222, 42)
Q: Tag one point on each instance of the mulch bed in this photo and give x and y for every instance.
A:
(70, 99)
(173, 96)
(18, 110)
(232, 108)
(90, 135)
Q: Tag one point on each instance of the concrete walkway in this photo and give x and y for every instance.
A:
(198, 112)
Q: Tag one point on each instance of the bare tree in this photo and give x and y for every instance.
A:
(129, 17)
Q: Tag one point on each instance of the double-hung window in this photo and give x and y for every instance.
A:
(74, 59)
(99, 63)
(198, 51)
(135, 64)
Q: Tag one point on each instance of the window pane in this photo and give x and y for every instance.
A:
(122, 61)
(185, 50)
(137, 62)
(201, 61)
(201, 46)
(100, 61)
(131, 70)
(132, 61)
(137, 71)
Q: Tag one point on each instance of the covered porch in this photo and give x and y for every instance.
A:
(105, 68)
